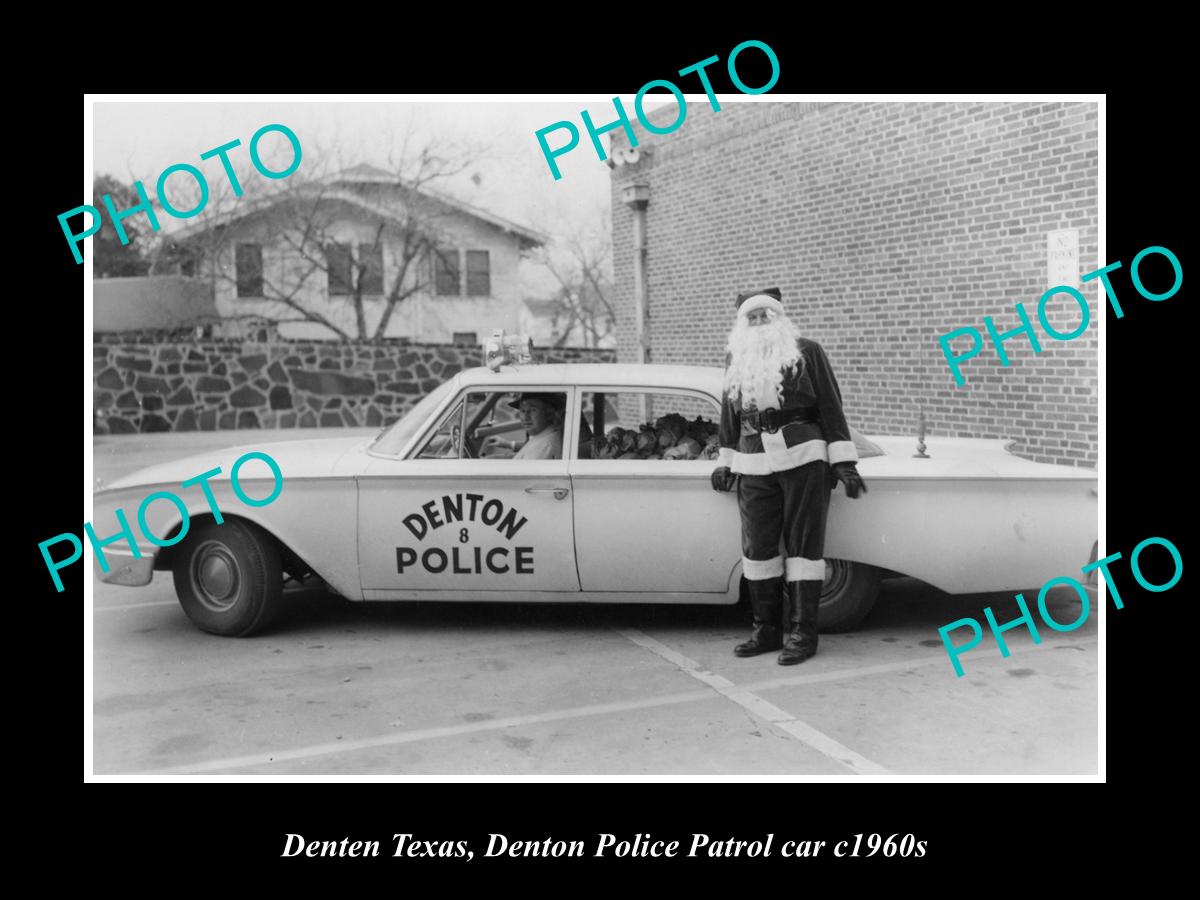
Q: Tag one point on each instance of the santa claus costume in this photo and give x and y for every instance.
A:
(783, 442)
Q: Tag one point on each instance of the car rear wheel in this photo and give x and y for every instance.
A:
(848, 594)
(229, 578)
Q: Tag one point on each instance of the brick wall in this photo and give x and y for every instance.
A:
(885, 226)
(151, 382)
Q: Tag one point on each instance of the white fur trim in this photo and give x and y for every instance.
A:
(842, 451)
(778, 456)
(750, 464)
(801, 569)
(759, 301)
(725, 457)
(762, 569)
(781, 457)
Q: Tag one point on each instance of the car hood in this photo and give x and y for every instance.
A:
(296, 459)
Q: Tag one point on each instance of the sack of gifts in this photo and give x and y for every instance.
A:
(647, 439)
(670, 429)
(685, 449)
(670, 437)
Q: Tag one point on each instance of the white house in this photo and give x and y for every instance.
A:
(333, 258)
(550, 324)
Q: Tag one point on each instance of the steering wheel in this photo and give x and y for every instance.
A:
(464, 447)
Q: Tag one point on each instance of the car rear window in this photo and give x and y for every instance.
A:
(648, 425)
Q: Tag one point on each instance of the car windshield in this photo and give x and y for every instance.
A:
(392, 440)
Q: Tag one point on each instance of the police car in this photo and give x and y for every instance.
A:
(441, 506)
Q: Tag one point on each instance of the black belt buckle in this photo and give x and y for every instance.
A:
(769, 420)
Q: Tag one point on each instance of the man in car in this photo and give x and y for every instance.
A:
(542, 416)
(783, 439)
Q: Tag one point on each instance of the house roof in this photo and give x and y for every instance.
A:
(365, 173)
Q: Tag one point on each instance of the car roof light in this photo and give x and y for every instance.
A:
(507, 349)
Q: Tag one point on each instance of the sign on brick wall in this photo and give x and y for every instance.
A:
(1062, 258)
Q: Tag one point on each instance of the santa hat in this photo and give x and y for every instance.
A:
(767, 299)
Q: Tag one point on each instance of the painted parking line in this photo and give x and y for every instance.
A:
(99, 609)
(899, 666)
(427, 734)
(756, 705)
(783, 720)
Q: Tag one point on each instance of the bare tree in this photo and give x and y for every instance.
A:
(302, 226)
(581, 262)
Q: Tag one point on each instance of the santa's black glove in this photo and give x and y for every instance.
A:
(847, 474)
(723, 479)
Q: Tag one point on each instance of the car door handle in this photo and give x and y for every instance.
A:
(558, 492)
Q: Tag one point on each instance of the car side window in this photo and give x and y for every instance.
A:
(445, 442)
(494, 427)
(648, 425)
(500, 425)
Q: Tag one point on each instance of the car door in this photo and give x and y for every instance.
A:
(448, 520)
(650, 524)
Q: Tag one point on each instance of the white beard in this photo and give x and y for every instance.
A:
(759, 357)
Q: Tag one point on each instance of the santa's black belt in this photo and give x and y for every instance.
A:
(771, 420)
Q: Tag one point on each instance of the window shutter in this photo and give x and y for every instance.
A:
(479, 274)
(445, 266)
(370, 259)
(249, 270)
(340, 266)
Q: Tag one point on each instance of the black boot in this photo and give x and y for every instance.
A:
(804, 600)
(766, 602)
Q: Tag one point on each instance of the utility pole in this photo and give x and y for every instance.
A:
(637, 197)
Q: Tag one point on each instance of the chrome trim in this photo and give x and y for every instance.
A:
(671, 472)
(174, 486)
(558, 492)
(559, 472)
(677, 475)
(131, 572)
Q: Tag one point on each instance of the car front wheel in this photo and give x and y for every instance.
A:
(229, 578)
(848, 594)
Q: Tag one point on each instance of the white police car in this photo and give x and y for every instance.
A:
(438, 507)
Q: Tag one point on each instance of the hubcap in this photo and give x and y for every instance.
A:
(216, 576)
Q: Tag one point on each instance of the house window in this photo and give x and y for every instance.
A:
(370, 261)
(465, 337)
(249, 266)
(339, 265)
(445, 267)
(479, 274)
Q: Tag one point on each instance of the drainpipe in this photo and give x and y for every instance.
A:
(637, 197)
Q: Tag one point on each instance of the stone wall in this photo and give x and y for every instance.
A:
(142, 383)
